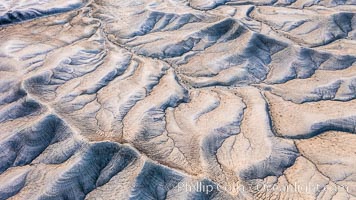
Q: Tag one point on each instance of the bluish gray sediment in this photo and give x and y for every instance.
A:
(178, 99)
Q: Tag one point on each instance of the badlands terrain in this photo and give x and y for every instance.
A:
(178, 99)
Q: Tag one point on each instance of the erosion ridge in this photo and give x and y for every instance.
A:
(146, 99)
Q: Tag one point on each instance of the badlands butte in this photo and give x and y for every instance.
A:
(178, 99)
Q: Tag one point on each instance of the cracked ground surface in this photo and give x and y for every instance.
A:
(178, 99)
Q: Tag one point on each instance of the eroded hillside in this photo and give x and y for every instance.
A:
(148, 99)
